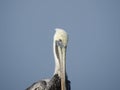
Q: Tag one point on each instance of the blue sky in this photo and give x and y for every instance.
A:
(26, 38)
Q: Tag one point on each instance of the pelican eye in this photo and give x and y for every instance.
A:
(60, 43)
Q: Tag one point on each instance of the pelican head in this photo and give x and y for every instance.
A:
(60, 45)
(61, 36)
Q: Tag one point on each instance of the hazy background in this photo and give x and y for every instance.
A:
(26, 38)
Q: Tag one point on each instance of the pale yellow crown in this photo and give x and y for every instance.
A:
(60, 34)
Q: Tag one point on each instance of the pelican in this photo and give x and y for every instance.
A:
(59, 80)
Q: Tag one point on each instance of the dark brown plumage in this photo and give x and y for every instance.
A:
(53, 84)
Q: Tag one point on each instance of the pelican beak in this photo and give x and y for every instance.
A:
(62, 60)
